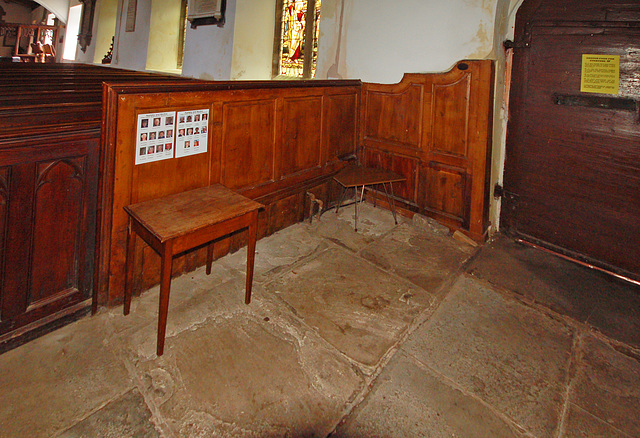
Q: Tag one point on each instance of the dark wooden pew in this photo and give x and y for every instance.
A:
(50, 130)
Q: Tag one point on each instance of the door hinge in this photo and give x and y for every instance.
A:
(498, 191)
(508, 44)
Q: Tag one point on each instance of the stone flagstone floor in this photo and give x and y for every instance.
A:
(393, 331)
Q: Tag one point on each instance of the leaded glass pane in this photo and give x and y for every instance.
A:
(293, 46)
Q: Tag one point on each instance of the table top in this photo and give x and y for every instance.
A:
(183, 213)
(354, 176)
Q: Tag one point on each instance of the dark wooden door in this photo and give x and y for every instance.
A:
(48, 215)
(572, 170)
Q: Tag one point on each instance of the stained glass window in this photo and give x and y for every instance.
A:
(298, 43)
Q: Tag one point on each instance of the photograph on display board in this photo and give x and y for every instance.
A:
(191, 132)
(154, 137)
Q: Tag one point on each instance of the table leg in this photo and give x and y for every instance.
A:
(165, 285)
(209, 257)
(130, 263)
(392, 204)
(251, 255)
(356, 208)
(344, 190)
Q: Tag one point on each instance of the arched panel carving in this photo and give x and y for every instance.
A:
(58, 211)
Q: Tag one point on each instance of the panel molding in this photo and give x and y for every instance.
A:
(453, 118)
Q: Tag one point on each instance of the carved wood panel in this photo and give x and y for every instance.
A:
(57, 244)
(49, 229)
(300, 148)
(248, 143)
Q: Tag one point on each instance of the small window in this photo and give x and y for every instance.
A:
(296, 38)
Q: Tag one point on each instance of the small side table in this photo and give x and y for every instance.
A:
(359, 176)
(177, 223)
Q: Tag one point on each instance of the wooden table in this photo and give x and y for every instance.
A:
(359, 176)
(177, 223)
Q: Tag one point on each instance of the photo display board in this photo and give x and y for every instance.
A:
(155, 137)
(192, 132)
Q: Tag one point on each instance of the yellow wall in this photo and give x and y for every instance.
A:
(164, 29)
(106, 11)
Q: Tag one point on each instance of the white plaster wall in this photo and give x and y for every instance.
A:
(162, 53)
(383, 39)
(104, 27)
(209, 49)
(253, 39)
(130, 48)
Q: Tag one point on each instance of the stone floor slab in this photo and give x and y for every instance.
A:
(49, 384)
(606, 386)
(581, 424)
(356, 307)
(510, 356)
(277, 252)
(426, 259)
(609, 305)
(407, 400)
(127, 416)
(339, 227)
(242, 375)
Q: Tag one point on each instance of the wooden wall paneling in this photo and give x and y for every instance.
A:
(402, 165)
(450, 115)
(267, 141)
(5, 180)
(58, 231)
(448, 193)
(50, 224)
(301, 124)
(248, 143)
(443, 121)
(150, 180)
(340, 123)
(480, 139)
(394, 115)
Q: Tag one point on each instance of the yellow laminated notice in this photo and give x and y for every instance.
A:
(600, 74)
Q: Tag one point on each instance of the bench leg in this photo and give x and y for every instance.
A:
(251, 255)
(165, 285)
(130, 263)
(209, 257)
